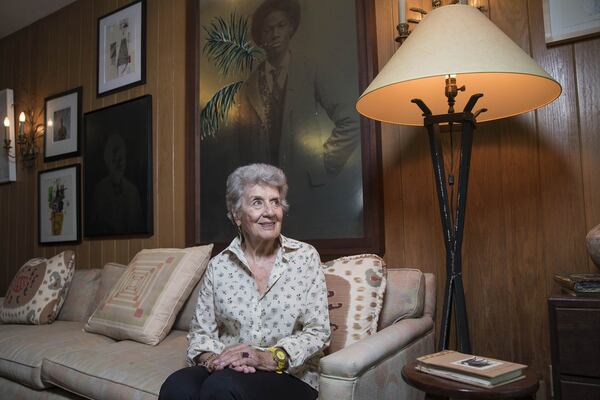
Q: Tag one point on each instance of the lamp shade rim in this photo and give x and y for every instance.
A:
(366, 107)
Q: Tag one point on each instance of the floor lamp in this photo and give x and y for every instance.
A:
(455, 45)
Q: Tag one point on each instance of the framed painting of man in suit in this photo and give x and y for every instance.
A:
(118, 195)
(281, 89)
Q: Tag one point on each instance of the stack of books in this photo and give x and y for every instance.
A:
(587, 285)
(466, 368)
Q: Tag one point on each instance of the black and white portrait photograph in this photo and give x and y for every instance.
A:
(118, 169)
(284, 97)
(63, 118)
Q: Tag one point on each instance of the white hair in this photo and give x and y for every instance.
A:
(249, 175)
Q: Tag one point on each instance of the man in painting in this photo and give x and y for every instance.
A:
(61, 132)
(280, 112)
(116, 207)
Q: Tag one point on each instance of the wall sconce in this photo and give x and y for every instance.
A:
(29, 132)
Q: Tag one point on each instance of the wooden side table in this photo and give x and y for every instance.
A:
(436, 388)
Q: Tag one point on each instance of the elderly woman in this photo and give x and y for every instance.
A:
(262, 320)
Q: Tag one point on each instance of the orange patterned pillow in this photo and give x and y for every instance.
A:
(144, 302)
(355, 286)
(38, 290)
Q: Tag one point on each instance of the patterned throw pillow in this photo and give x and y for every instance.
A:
(144, 302)
(38, 291)
(355, 285)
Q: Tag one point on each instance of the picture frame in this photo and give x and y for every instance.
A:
(568, 21)
(62, 119)
(208, 165)
(122, 49)
(59, 205)
(8, 168)
(117, 159)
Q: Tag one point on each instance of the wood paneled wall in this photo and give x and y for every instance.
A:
(58, 53)
(534, 192)
(533, 195)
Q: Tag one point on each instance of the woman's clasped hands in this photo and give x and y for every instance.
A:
(243, 358)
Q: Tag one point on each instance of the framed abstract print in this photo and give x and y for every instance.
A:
(122, 48)
(59, 209)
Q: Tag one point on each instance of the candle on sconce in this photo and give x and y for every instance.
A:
(21, 123)
(6, 125)
(401, 11)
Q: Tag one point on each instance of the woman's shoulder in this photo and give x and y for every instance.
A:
(298, 248)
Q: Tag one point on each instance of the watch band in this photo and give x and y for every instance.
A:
(280, 357)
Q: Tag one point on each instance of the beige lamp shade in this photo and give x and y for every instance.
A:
(458, 40)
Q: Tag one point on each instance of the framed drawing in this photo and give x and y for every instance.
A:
(284, 93)
(122, 48)
(59, 219)
(117, 160)
(566, 21)
(62, 116)
(8, 170)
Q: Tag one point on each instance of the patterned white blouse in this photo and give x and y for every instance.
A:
(292, 313)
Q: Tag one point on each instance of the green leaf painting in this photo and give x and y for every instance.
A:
(228, 48)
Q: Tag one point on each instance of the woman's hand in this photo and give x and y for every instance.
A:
(244, 358)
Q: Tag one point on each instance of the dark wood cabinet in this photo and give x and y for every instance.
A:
(575, 346)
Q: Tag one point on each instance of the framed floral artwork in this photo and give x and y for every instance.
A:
(122, 48)
(62, 117)
(59, 203)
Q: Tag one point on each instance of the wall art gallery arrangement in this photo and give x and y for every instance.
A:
(116, 142)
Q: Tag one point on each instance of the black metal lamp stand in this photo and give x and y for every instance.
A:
(453, 228)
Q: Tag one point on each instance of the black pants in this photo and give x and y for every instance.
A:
(195, 383)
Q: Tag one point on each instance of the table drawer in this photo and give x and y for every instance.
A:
(571, 390)
(579, 341)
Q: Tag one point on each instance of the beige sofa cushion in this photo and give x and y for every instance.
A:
(38, 290)
(123, 370)
(79, 303)
(404, 296)
(23, 347)
(143, 304)
(355, 285)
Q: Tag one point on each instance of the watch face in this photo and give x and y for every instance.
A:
(280, 355)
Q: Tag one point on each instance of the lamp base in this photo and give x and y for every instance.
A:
(452, 228)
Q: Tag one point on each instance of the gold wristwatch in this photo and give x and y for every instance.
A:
(280, 357)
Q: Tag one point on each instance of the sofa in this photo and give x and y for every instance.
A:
(62, 361)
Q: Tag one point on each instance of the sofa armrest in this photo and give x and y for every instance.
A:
(352, 361)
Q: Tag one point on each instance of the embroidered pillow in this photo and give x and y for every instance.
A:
(144, 302)
(38, 290)
(355, 286)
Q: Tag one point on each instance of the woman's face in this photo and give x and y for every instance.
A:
(261, 213)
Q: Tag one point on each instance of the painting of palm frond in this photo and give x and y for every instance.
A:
(278, 84)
